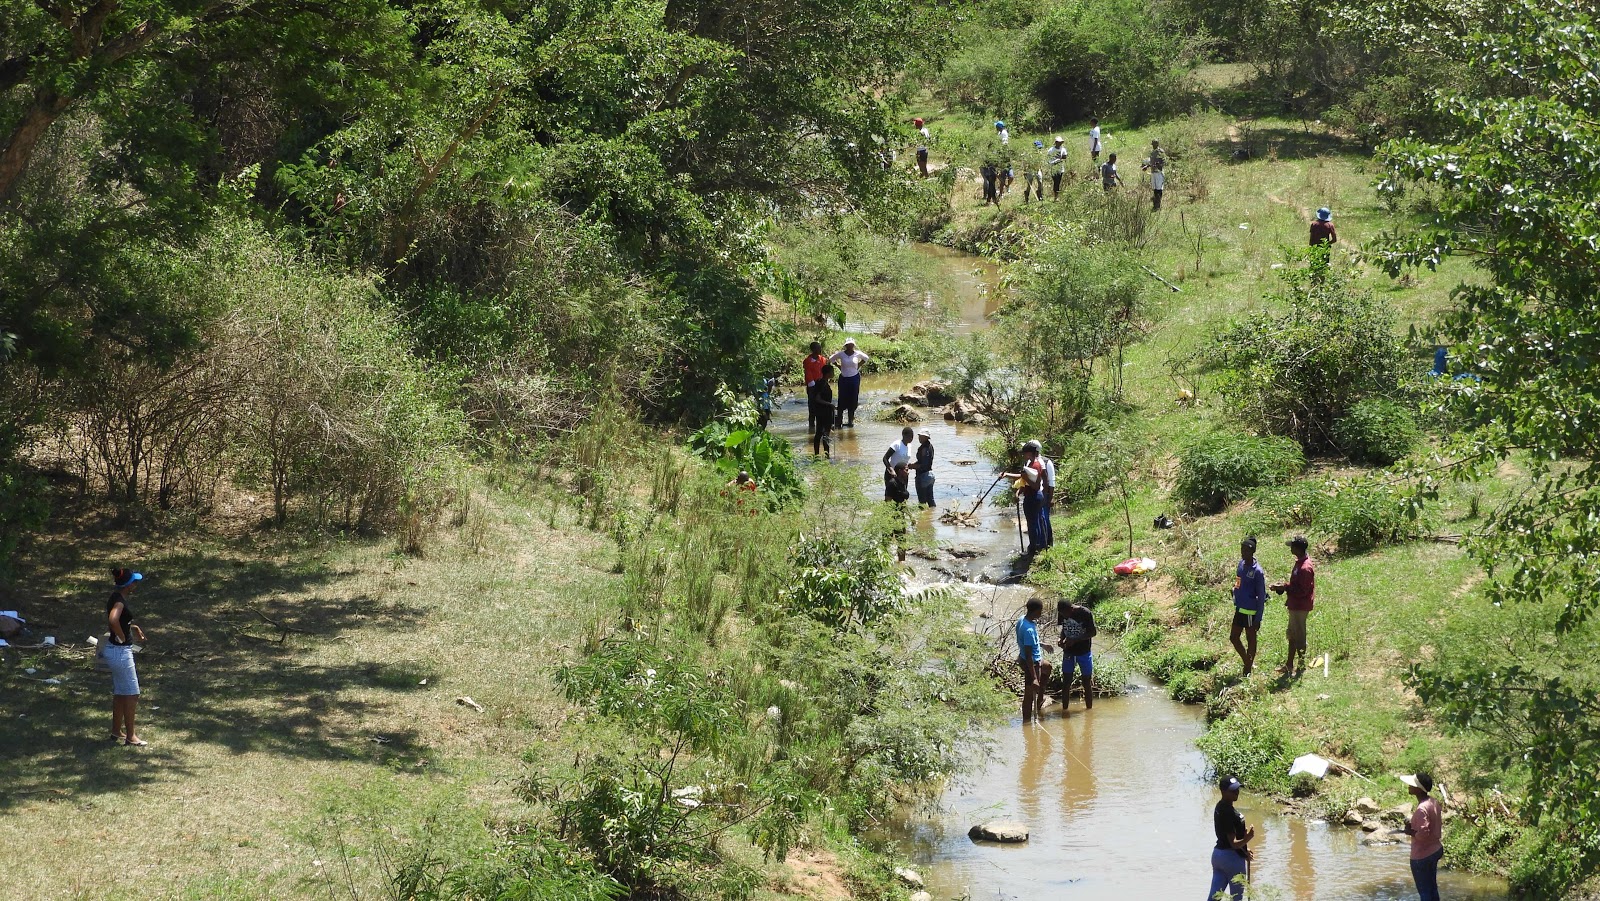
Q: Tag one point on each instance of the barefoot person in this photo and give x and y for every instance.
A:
(923, 467)
(1426, 829)
(849, 361)
(1249, 603)
(821, 394)
(897, 457)
(1077, 635)
(1030, 656)
(813, 370)
(1301, 589)
(118, 653)
(1230, 859)
(1029, 482)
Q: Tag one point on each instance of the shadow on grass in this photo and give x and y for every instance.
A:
(1284, 143)
(227, 664)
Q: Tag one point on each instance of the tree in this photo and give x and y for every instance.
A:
(1517, 184)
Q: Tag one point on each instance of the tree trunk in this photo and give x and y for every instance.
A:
(47, 107)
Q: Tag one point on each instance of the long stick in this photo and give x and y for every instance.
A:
(985, 493)
(1175, 288)
(1020, 548)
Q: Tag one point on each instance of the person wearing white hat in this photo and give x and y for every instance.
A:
(1057, 156)
(1426, 829)
(923, 467)
(849, 361)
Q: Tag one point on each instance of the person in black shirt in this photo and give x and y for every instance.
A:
(1230, 859)
(821, 396)
(924, 468)
(118, 655)
(1077, 639)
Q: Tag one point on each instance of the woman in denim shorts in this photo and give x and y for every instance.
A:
(118, 654)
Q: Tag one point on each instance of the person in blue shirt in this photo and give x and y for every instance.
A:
(1030, 656)
(1249, 603)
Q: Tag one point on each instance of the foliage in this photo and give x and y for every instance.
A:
(1222, 468)
(1084, 68)
(842, 576)
(1253, 745)
(1517, 180)
(1300, 372)
(1377, 432)
(767, 457)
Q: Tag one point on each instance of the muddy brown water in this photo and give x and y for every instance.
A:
(1117, 799)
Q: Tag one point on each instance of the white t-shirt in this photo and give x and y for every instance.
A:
(1158, 180)
(898, 454)
(1057, 157)
(849, 364)
(1094, 139)
(1005, 136)
(1049, 471)
(924, 132)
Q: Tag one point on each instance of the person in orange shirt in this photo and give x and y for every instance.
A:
(813, 370)
(1427, 836)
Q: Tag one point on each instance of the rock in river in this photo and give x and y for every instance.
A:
(1008, 832)
(908, 876)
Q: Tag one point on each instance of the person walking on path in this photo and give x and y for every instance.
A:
(923, 467)
(1028, 481)
(922, 147)
(897, 457)
(1323, 237)
(118, 654)
(822, 412)
(1094, 141)
(1033, 174)
(1301, 590)
(813, 371)
(1230, 859)
(1057, 156)
(1109, 179)
(849, 361)
(1077, 651)
(1249, 603)
(1030, 656)
(1426, 829)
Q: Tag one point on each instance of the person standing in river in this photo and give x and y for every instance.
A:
(1301, 590)
(1028, 481)
(1426, 829)
(922, 147)
(1048, 490)
(1030, 656)
(849, 360)
(923, 467)
(822, 412)
(895, 459)
(813, 371)
(1230, 859)
(1249, 603)
(1077, 651)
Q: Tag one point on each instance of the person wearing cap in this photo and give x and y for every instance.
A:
(1057, 156)
(923, 467)
(922, 147)
(822, 412)
(895, 458)
(1030, 657)
(1002, 132)
(1230, 859)
(1034, 173)
(813, 370)
(1322, 230)
(1301, 590)
(1030, 479)
(849, 361)
(1077, 649)
(1048, 491)
(118, 654)
(1094, 140)
(1426, 829)
(1249, 603)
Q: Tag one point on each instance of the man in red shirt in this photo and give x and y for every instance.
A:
(813, 366)
(1301, 589)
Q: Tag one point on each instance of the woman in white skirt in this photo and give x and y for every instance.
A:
(118, 654)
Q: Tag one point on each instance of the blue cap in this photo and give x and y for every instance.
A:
(1324, 214)
(130, 579)
(1038, 144)
(999, 123)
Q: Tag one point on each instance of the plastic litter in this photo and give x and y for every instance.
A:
(1311, 764)
(1134, 566)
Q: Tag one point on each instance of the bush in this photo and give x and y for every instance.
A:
(1188, 687)
(1378, 432)
(1179, 659)
(1194, 606)
(1141, 639)
(1253, 746)
(1216, 471)
(1300, 372)
(1367, 513)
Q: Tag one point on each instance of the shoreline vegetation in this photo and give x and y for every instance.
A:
(411, 353)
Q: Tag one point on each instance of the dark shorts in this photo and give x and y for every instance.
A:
(1242, 620)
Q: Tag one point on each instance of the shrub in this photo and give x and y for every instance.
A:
(1253, 746)
(1194, 606)
(1367, 514)
(1216, 471)
(1178, 659)
(1377, 432)
(1142, 639)
(1300, 372)
(1187, 687)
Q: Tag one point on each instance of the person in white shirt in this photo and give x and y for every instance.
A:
(1048, 488)
(897, 456)
(849, 361)
(922, 147)
(1094, 140)
(1057, 156)
(1156, 165)
(1033, 173)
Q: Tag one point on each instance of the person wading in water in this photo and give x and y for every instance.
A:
(1030, 656)
(822, 412)
(813, 370)
(1230, 859)
(1077, 650)
(924, 468)
(849, 361)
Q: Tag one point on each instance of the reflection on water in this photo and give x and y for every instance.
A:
(1117, 798)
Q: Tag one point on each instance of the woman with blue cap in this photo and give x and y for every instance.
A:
(118, 654)
(1230, 859)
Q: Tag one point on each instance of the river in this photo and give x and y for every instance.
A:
(1117, 799)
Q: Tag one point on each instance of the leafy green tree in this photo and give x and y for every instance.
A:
(1517, 183)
